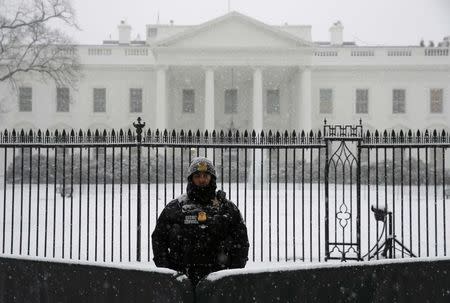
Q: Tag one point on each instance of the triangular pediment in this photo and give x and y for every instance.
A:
(233, 30)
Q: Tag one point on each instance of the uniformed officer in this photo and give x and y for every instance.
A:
(200, 231)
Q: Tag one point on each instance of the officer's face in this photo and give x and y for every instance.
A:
(201, 179)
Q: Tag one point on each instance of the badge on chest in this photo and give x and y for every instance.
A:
(198, 218)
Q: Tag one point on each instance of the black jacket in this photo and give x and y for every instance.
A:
(189, 241)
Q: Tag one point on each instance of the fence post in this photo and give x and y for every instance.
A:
(139, 126)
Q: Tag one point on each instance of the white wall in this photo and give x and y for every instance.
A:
(380, 84)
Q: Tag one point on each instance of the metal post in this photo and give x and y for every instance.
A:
(139, 126)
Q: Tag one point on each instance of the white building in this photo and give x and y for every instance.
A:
(237, 71)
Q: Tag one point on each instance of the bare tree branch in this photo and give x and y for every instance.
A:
(30, 41)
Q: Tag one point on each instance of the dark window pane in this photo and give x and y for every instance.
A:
(62, 99)
(188, 101)
(231, 101)
(25, 99)
(273, 101)
(135, 100)
(326, 101)
(362, 101)
(99, 100)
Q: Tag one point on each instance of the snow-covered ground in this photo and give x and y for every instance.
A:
(99, 224)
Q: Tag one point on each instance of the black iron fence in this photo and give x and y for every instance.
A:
(96, 196)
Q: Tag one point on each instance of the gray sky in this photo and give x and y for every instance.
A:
(367, 22)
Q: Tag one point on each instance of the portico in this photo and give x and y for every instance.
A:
(247, 97)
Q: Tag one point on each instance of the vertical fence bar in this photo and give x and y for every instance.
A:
(46, 202)
(139, 127)
(38, 204)
(254, 207)
(418, 202)
(270, 206)
(293, 204)
(444, 201)
(4, 200)
(426, 202)
(29, 200)
(54, 199)
(129, 199)
(393, 200)
(71, 200)
(63, 194)
(88, 208)
(96, 199)
(121, 202)
(319, 202)
(358, 199)
(21, 198)
(80, 205)
(113, 180)
(402, 201)
(303, 204)
(435, 202)
(327, 227)
(262, 199)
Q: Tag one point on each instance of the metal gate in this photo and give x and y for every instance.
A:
(342, 192)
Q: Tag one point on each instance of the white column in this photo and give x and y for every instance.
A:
(161, 98)
(258, 124)
(209, 99)
(257, 100)
(304, 106)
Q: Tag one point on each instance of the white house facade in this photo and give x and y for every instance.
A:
(237, 72)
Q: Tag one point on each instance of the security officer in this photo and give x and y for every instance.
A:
(200, 231)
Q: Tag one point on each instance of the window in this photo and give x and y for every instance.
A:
(436, 100)
(99, 100)
(62, 99)
(398, 101)
(362, 101)
(326, 101)
(25, 95)
(135, 100)
(231, 101)
(188, 101)
(273, 101)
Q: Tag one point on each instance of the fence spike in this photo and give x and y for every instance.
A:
(319, 134)
(270, 134)
(39, 136)
(245, 134)
(22, 136)
(418, 133)
(129, 135)
(230, 134)
(236, 135)
(206, 134)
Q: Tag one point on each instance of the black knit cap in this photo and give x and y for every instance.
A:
(201, 164)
